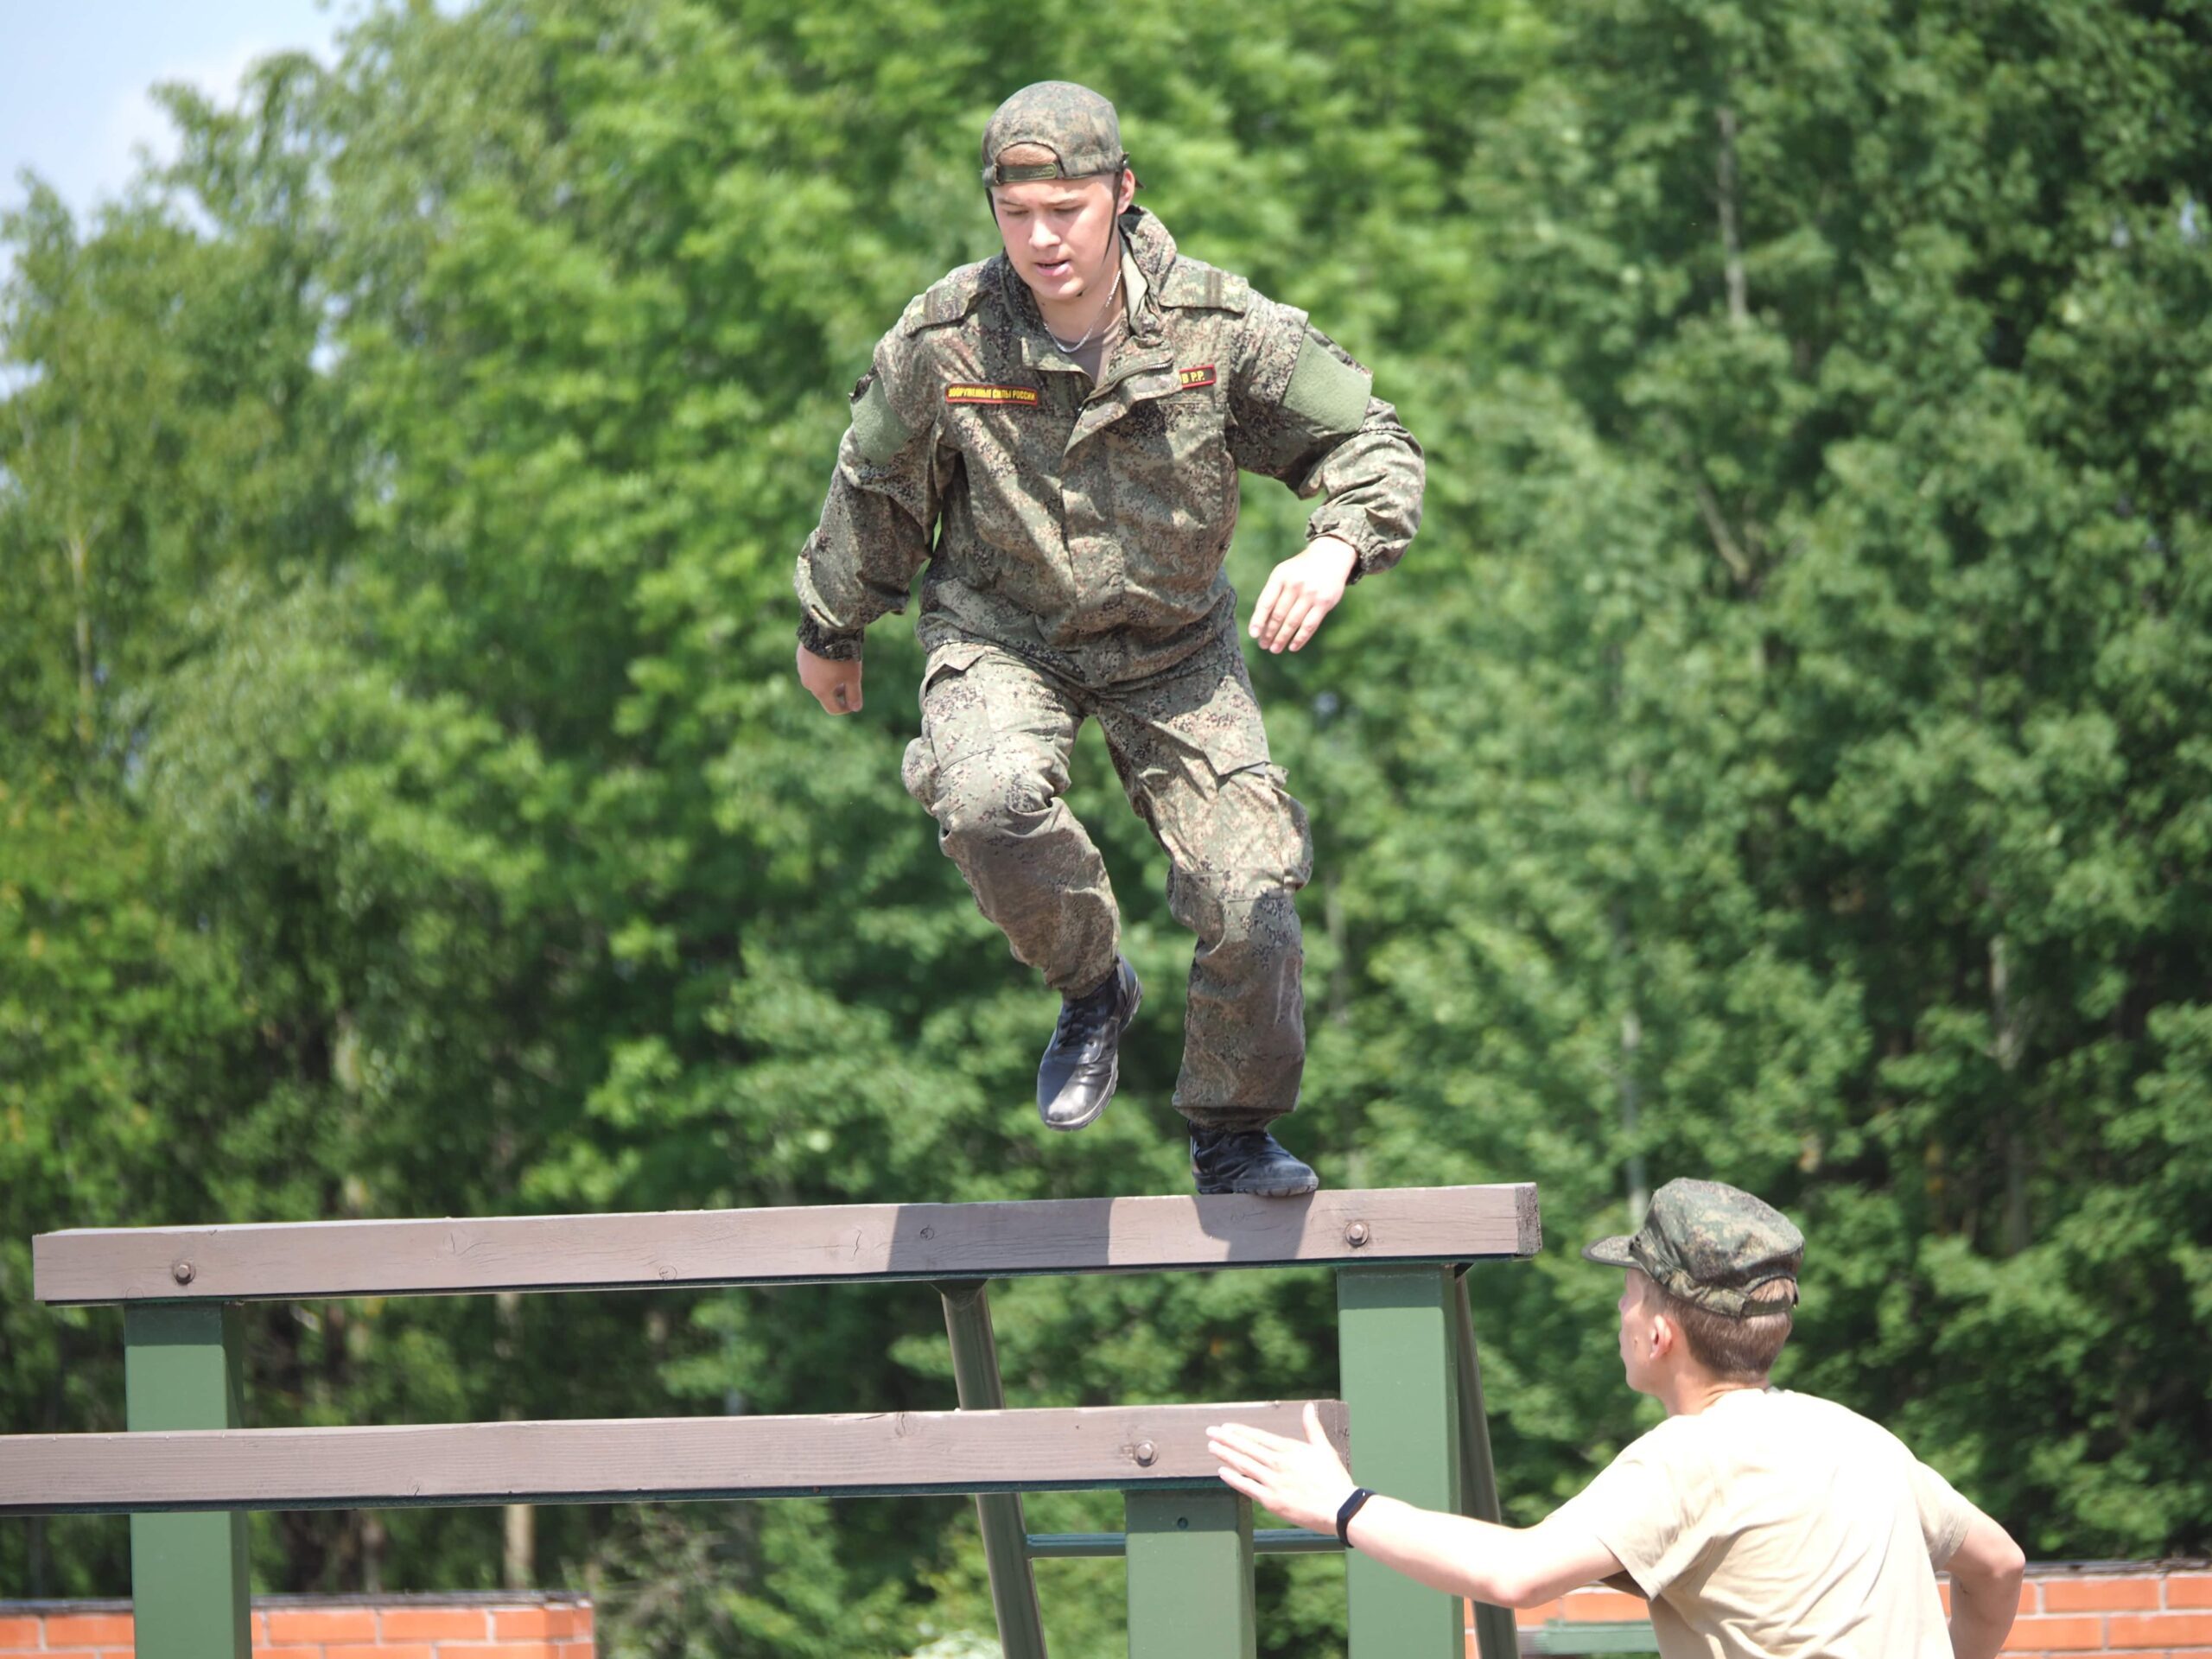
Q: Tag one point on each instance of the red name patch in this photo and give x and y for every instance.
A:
(1193, 378)
(1020, 397)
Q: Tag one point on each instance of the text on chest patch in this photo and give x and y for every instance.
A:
(1192, 378)
(1022, 396)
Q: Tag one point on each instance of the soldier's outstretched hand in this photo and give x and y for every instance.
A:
(1303, 1481)
(1300, 591)
(836, 684)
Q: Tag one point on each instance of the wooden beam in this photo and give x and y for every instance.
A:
(629, 1459)
(303, 1260)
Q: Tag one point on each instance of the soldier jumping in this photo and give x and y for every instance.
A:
(1056, 433)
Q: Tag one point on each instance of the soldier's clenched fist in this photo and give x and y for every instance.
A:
(835, 685)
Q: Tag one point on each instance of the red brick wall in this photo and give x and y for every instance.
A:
(2160, 1609)
(2139, 1610)
(2116, 1607)
(351, 1627)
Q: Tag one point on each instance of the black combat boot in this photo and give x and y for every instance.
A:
(1082, 1062)
(1248, 1160)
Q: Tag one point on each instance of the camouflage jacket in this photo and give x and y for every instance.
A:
(1086, 525)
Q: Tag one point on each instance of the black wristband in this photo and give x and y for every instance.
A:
(1359, 1496)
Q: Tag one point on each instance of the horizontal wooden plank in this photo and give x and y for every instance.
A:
(307, 1259)
(629, 1459)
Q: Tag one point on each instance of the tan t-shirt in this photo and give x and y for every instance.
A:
(1775, 1525)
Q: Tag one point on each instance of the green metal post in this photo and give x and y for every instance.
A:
(1191, 1575)
(1497, 1636)
(1394, 1356)
(1006, 1534)
(182, 1370)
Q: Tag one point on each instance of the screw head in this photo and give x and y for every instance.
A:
(182, 1272)
(1146, 1454)
(1357, 1235)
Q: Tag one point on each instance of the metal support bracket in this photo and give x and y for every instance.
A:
(1191, 1575)
(1006, 1534)
(1496, 1636)
(1394, 1353)
(182, 1368)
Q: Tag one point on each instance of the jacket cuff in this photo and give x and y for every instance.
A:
(1371, 552)
(833, 648)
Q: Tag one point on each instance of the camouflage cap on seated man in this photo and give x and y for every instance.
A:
(1712, 1246)
(1074, 123)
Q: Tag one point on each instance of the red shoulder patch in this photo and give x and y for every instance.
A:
(1193, 378)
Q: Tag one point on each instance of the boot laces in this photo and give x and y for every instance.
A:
(1231, 1150)
(1086, 1017)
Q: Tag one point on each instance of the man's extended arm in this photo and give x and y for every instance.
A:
(1507, 1567)
(1306, 413)
(1985, 1573)
(1303, 1481)
(874, 533)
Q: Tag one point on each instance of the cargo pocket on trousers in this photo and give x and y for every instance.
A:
(1263, 831)
(1301, 868)
(918, 773)
(956, 658)
(950, 713)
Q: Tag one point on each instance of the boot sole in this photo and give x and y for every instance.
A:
(1113, 1078)
(1298, 1191)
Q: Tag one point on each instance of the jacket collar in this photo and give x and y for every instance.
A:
(1146, 242)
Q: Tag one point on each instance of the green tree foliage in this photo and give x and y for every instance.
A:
(1783, 756)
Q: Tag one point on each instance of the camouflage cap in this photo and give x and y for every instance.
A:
(1074, 123)
(1711, 1245)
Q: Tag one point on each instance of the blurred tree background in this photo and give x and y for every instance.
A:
(1785, 757)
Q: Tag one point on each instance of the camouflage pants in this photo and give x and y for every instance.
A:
(991, 766)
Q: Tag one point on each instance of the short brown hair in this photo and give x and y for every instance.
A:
(1730, 1349)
